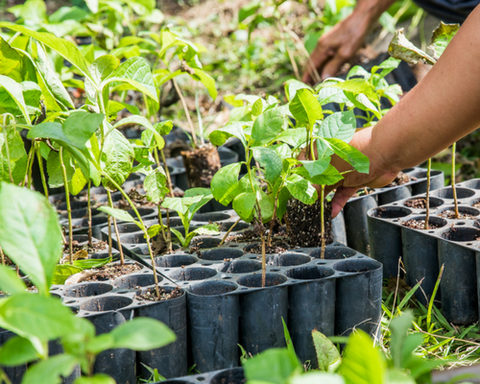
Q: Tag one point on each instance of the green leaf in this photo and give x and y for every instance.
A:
(17, 351)
(267, 126)
(9, 58)
(270, 161)
(441, 37)
(103, 67)
(155, 185)
(339, 125)
(305, 107)
(120, 214)
(9, 281)
(225, 182)
(180, 237)
(78, 182)
(363, 363)
(327, 353)
(328, 95)
(63, 271)
(350, 154)
(14, 89)
(330, 176)
(99, 378)
(248, 10)
(54, 168)
(207, 229)
(385, 67)
(207, 81)
(294, 137)
(244, 204)
(30, 234)
(395, 376)
(401, 48)
(80, 126)
(357, 86)
(91, 263)
(266, 206)
(118, 157)
(196, 198)
(140, 120)
(219, 136)
(136, 72)
(301, 189)
(50, 371)
(292, 86)
(272, 366)
(316, 167)
(317, 378)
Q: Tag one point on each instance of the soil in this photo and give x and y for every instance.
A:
(476, 204)
(450, 214)
(420, 224)
(418, 203)
(176, 148)
(277, 247)
(151, 294)
(96, 247)
(109, 272)
(402, 178)
(201, 165)
(304, 224)
(7, 260)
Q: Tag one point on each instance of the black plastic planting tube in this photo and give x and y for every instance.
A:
(459, 280)
(395, 194)
(213, 324)
(15, 374)
(311, 305)
(358, 296)
(437, 181)
(171, 360)
(338, 229)
(355, 213)
(261, 312)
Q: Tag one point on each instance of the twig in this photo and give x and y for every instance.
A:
(185, 108)
(228, 232)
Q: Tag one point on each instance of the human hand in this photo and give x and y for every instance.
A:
(336, 47)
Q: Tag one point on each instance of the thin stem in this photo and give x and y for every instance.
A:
(454, 149)
(289, 53)
(3, 256)
(109, 223)
(199, 118)
(322, 218)
(4, 377)
(185, 108)
(89, 209)
(117, 233)
(160, 222)
(167, 173)
(69, 209)
(42, 171)
(28, 175)
(5, 135)
(264, 262)
(166, 236)
(427, 199)
(272, 222)
(228, 232)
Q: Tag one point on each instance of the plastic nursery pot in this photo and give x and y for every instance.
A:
(174, 261)
(355, 214)
(55, 348)
(213, 337)
(241, 266)
(386, 237)
(229, 376)
(334, 253)
(219, 254)
(420, 257)
(171, 360)
(459, 280)
(105, 313)
(394, 194)
(15, 374)
(311, 305)
(262, 311)
(437, 181)
(447, 193)
(288, 259)
(358, 296)
(339, 231)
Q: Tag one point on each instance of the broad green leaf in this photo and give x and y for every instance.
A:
(155, 185)
(358, 71)
(313, 377)
(283, 198)
(305, 107)
(99, 378)
(78, 182)
(54, 168)
(63, 271)
(267, 126)
(328, 356)
(163, 127)
(17, 351)
(401, 48)
(244, 205)
(257, 107)
(14, 89)
(275, 366)
(301, 189)
(399, 331)
(118, 157)
(30, 234)
(270, 161)
(225, 182)
(180, 237)
(9, 58)
(248, 10)
(357, 86)
(196, 198)
(340, 125)
(120, 214)
(51, 370)
(316, 167)
(103, 67)
(208, 229)
(395, 376)
(207, 81)
(91, 263)
(328, 95)
(385, 67)
(140, 120)
(350, 154)
(330, 176)
(176, 204)
(292, 86)
(115, 107)
(80, 126)
(10, 282)
(136, 72)
(362, 363)
(441, 37)
(266, 206)
(293, 137)
(219, 136)
(32, 12)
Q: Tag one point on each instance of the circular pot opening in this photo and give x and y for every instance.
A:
(447, 193)
(86, 289)
(474, 184)
(334, 253)
(255, 280)
(191, 274)
(142, 211)
(357, 265)
(423, 174)
(225, 226)
(132, 238)
(418, 222)
(221, 254)
(229, 376)
(204, 242)
(421, 203)
(462, 234)
(288, 259)
(241, 266)
(390, 212)
(174, 261)
(135, 280)
(174, 222)
(105, 303)
(210, 216)
(212, 288)
(127, 228)
(465, 213)
(310, 273)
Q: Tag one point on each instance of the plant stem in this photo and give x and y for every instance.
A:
(228, 232)
(5, 135)
(168, 235)
(3, 256)
(199, 117)
(454, 149)
(28, 176)
(40, 166)
(109, 223)
(122, 259)
(427, 199)
(69, 209)
(160, 222)
(4, 377)
(264, 261)
(89, 209)
(272, 222)
(322, 222)
(167, 172)
(185, 108)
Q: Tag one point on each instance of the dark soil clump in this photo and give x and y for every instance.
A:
(151, 294)
(420, 224)
(418, 203)
(402, 178)
(450, 214)
(304, 224)
(277, 247)
(96, 247)
(109, 272)
(201, 165)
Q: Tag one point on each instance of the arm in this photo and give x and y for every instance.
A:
(441, 109)
(342, 42)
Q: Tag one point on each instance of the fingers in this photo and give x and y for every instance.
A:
(341, 197)
(332, 67)
(321, 54)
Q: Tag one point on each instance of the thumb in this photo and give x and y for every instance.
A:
(342, 194)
